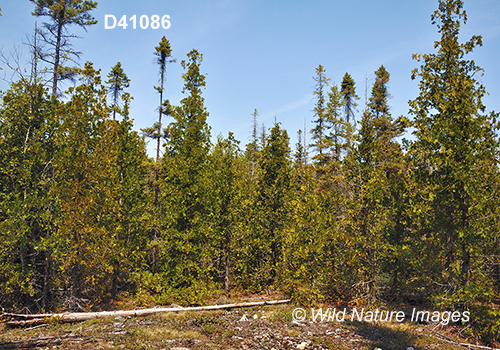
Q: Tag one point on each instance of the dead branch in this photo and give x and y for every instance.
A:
(465, 345)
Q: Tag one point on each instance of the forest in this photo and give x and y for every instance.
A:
(363, 215)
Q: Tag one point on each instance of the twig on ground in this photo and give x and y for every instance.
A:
(466, 345)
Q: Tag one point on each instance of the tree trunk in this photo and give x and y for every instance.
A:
(58, 52)
(45, 290)
(226, 275)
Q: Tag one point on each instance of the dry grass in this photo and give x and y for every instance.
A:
(271, 328)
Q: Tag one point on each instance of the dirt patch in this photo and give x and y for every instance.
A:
(270, 327)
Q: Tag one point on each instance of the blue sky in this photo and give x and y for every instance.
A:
(262, 55)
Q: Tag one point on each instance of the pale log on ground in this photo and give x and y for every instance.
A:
(19, 320)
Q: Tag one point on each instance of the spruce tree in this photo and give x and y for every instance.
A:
(320, 114)
(62, 14)
(252, 148)
(374, 169)
(300, 153)
(184, 189)
(273, 185)
(163, 53)
(380, 94)
(348, 89)
(28, 211)
(455, 159)
(338, 138)
(225, 205)
(84, 186)
(117, 82)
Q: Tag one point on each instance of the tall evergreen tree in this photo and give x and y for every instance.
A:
(339, 137)
(380, 94)
(117, 82)
(252, 148)
(455, 156)
(84, 187)
(273, 186)
(300, 152)
(28, 128)
(374, 171)
(62, 14)
(320, 114)
(224, 205)
(184, 189)
(348, 89)
(163, 53)
(129, 222)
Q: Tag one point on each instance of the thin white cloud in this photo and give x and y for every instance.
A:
(288, 107)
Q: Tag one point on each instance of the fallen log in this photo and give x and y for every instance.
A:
(18, 320)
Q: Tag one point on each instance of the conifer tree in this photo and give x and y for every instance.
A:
(455, 156)
(339, 136)
(263, 135)
(374, 169)
(273, 186)
(225, 205)
(300, 153)
(85, 179)
(320, 114)
(117, 82)
(184, 188)
(348, 90)
(252, 148)
(127, 227)
(163, 52)
(28, 212)
(380, 94)
(62, 14)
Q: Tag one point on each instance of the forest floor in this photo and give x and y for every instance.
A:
(263, 327)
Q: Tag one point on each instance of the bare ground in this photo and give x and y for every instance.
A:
(269, 327)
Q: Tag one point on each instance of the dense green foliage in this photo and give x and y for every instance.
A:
(86, 215)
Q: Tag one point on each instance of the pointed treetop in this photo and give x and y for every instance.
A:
(194, 80)
(378, 102)
(320, 77)
(67, 11)
(117, 82)
(163, 50)
(348, 89)
(118, 77)
(348, 85)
